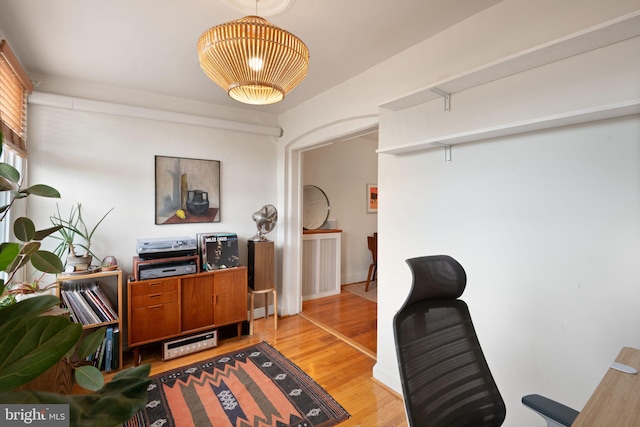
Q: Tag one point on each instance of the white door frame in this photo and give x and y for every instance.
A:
(291, 234)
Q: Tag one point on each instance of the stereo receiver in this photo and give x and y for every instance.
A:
(166, 269)
(187, 345)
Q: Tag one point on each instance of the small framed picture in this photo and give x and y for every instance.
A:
(372, 198)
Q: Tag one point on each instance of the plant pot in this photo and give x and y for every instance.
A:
(58, 379)
(79, 263)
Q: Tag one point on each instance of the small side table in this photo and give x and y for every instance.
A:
(266, 293)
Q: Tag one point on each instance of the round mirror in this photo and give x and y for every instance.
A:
(316, 207)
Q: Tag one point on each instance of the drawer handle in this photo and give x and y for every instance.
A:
(155, 295)
(155, 307)
(155, 284)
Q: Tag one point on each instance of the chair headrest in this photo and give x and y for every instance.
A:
(435, 277)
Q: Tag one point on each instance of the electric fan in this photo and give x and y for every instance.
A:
(265, 220)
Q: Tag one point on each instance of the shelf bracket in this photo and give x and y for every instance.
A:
(445, 95)
(447, 151)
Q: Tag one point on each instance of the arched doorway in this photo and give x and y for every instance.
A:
(291, 235)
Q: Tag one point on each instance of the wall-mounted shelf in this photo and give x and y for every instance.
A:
(538, 123)
(609, 33)
(613, 31)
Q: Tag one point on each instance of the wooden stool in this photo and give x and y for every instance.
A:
(266, 306)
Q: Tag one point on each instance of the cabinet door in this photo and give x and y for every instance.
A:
(197, 302)
(154, 322)
(230, 297)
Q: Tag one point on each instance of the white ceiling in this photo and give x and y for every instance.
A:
(150, 45)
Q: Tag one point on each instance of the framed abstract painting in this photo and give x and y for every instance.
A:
(372, 198)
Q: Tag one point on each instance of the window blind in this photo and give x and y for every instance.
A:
(14, 88)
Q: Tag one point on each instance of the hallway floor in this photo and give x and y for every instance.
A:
(349, 317)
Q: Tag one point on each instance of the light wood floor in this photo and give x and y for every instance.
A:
(348, 317)
(333, 341)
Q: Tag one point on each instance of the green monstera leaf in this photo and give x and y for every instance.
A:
(47, 262)
(90, 377)
(42, 190)
(8, 252)
(30, 344)
(113, 404)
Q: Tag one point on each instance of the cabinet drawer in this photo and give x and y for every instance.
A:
(154, 299)
(154, 322)
(153, 287)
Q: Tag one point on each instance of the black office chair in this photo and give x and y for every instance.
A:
(445, 378)
(554, 413)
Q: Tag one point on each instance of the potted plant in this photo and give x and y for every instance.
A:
(32, 341)
(75, 237)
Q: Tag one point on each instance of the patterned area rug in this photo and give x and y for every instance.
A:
(255, 386)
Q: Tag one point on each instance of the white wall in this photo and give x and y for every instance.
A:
(342, 170)
(545, 223)
(546, 226)
(105, 161)
(502, 202)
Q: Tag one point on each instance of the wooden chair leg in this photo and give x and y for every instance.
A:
(266, 308)
(275, 309)
(366, 288)
(251, 314)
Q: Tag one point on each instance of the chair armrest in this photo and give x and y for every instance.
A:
(561, 414)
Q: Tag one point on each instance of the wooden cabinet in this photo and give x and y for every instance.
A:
(165, 308)
(86, 291)
(198, 300)
(230, 297)
(153, 310)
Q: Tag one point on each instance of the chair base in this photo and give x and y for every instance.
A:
(266, 293)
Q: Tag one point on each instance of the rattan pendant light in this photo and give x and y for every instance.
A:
(253, 60)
